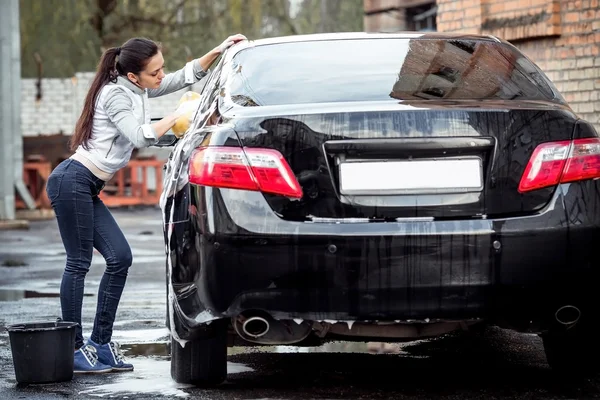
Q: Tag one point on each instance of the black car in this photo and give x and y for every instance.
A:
(379, 187)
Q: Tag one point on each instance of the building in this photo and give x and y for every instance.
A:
(400, 15)
(561, 36)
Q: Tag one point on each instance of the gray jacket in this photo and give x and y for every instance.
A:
(122, 118)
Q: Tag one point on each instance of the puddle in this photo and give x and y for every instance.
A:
(151, 376)
(14, 263)
(141, 336)
(156, 343)
(19, 294)
(336, 347)
(332, 347)
(162, 349)
(159, 349)
(137, 322)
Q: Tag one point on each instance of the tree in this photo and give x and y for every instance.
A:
(57, 30)
(70, 35)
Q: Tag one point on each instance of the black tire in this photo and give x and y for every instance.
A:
(203, 362)
(573, 352)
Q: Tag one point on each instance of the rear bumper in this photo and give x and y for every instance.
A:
(515, 272)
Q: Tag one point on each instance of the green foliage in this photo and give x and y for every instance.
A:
(70, 35)
(57, 31)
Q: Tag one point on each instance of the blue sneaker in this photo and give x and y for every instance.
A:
(86, 362)
(110, 354)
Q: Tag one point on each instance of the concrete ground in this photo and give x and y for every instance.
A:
(495, 365)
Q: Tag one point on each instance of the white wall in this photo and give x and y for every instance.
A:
(61, 104)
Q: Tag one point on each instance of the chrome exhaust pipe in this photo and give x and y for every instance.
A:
(255, 327)
(567, 315)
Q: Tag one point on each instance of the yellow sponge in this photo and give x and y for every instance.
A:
(188, 104)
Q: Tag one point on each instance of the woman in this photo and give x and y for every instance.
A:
(115, 120)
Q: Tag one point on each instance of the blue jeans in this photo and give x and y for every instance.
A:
(85, 223)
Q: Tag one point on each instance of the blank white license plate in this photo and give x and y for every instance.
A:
(418, 176)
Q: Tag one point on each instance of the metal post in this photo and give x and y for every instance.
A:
(10, 112)
(7, 193)
(16, 116)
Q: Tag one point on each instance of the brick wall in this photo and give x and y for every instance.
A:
(459, 16)
(61, 103)
(375, 20)
(393, 15)
(561, 36)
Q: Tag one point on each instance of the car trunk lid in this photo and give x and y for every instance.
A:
(442, 163)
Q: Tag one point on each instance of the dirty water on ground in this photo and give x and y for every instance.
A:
(149, 351)
(162, 349)
(20, 294)
(152, 363)
(152, 375)
(13, 263)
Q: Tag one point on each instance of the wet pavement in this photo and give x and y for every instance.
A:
(495, 364)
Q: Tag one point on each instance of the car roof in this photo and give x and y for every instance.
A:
(370, 35)
(319, 37)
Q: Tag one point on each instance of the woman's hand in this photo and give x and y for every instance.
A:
(210, 57)
(230, 41)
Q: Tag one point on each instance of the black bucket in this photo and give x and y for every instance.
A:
(42, 352)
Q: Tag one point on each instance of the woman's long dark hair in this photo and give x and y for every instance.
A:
(132, 56)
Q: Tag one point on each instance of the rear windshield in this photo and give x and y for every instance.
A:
(384, 69)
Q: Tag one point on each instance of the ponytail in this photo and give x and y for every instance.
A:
(106, 72)
(133, 56)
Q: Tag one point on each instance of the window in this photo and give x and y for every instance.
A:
(400, 15)
(421, 18)
(381, 69)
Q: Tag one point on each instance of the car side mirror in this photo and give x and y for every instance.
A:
(166, 140)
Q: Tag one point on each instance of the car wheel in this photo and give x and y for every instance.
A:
(572, 352)
(202, 362)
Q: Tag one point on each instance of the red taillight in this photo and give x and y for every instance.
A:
(262, 170)
(545, 166)
(561, 162)
(584, 161)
